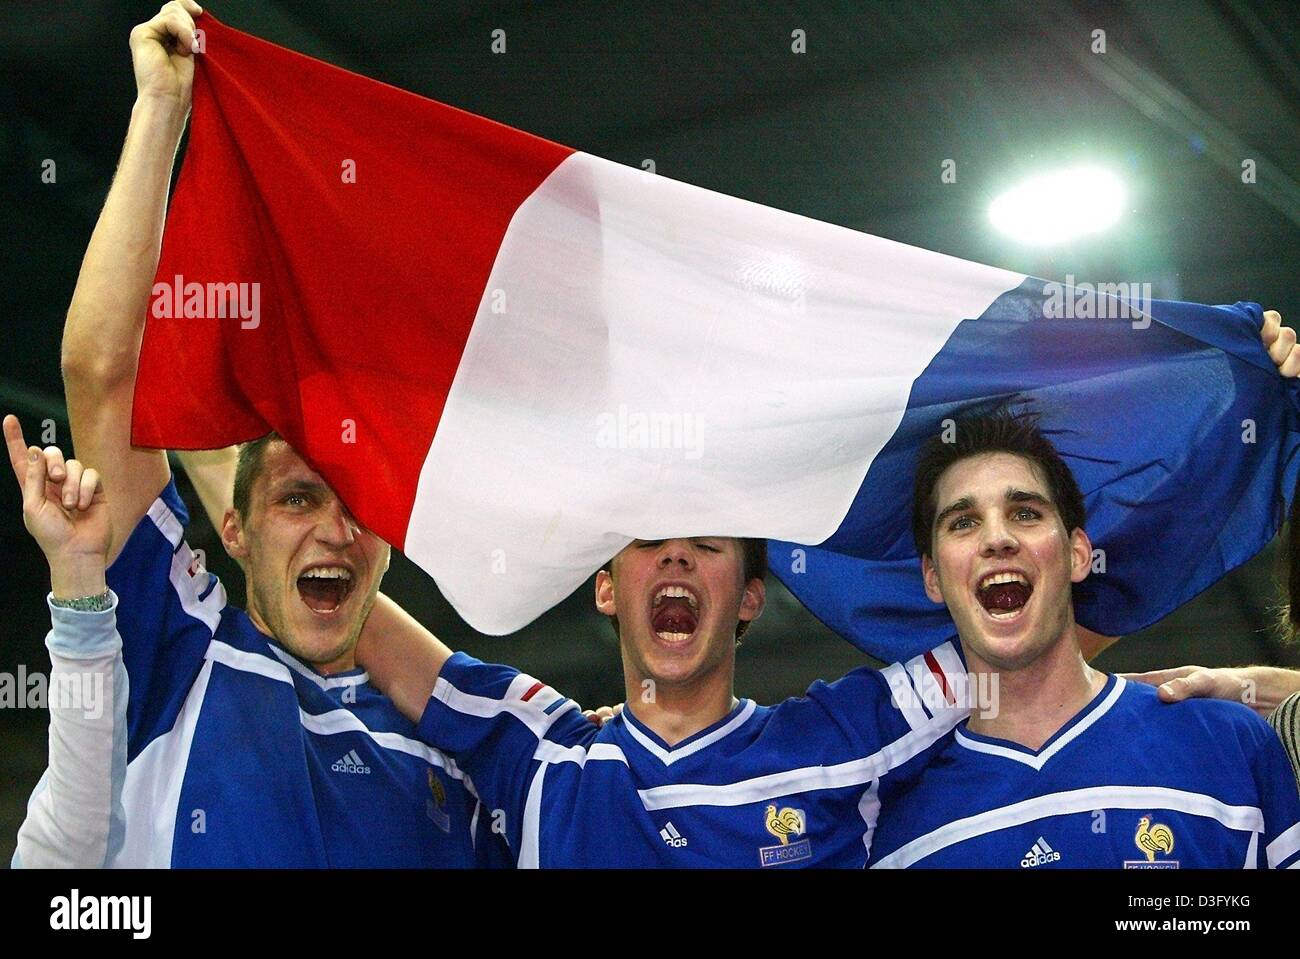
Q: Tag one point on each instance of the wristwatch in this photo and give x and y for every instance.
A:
(84, 604)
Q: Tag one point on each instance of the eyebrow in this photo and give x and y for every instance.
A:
(298, 486)
(1012, 495)
(959, 506)
(1027, 496)
(693, 539)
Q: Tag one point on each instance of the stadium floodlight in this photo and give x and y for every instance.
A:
(1056, 207)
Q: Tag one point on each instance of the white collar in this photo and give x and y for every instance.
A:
(744, 709)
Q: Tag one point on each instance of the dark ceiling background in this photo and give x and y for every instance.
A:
(854, 132)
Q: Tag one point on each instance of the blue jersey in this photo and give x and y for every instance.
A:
(1130, 782)
(239, 754)
(782, 786)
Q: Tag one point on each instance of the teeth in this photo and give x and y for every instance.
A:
(1004, 614)
(328, 572)
(997, 578)
(677, 592)
(672, 637)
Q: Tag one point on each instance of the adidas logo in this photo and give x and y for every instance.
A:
(351, 763)
(671, 836)
(1040, 853)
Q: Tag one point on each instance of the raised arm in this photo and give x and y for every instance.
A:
(212, 473)
(75, 814)
(105, 323)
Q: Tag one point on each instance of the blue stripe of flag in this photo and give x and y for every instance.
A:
(1154, 423)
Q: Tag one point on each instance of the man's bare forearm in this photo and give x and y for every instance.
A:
(212, 473)
(101, 339)
(1271, 685)
(105, 323)
(1261, 688)
(401, 656)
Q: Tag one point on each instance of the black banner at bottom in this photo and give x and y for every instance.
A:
(219, 907)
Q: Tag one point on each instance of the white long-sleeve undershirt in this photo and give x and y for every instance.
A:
(75, 817)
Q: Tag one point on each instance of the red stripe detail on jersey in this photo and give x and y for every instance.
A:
(940, 678)
(533, 691)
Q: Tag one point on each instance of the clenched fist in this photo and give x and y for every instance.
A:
(162, 54)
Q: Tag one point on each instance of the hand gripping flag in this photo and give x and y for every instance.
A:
(510, 359)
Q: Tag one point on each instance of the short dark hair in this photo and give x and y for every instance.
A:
(754, 566)
(247, 468)
(999, 432)
(755, 553)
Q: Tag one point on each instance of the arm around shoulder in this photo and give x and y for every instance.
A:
(402, 658)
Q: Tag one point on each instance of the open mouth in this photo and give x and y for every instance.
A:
(675, 613)
(325, 588)
(1004, 595)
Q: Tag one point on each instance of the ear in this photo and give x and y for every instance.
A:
(753, 600)
(1080, 556)
(605, 593)
(232, 534)
(930, 573)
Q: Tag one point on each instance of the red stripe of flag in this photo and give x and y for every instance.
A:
(362, 206)
(532, 691)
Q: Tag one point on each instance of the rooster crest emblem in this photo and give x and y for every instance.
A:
(784, 824)
(436, 787)
(1153, 839)
(438, 799)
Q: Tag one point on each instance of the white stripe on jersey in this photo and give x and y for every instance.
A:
(188, 588)
(485, 707)
(869, 810)
(1037, 761)
(552, 752)
(151, 791)
(151, 788)
(932, 695)
(1074, 801)
(529, 856)
(324, 682)
(1283, 847)
(607, 751)
(911, 700)
(343, 721)
(168, 524)
(951, 664)
(904, 697)
(247, 662)
(336, 720)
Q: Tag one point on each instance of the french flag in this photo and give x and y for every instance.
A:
(511, 358)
